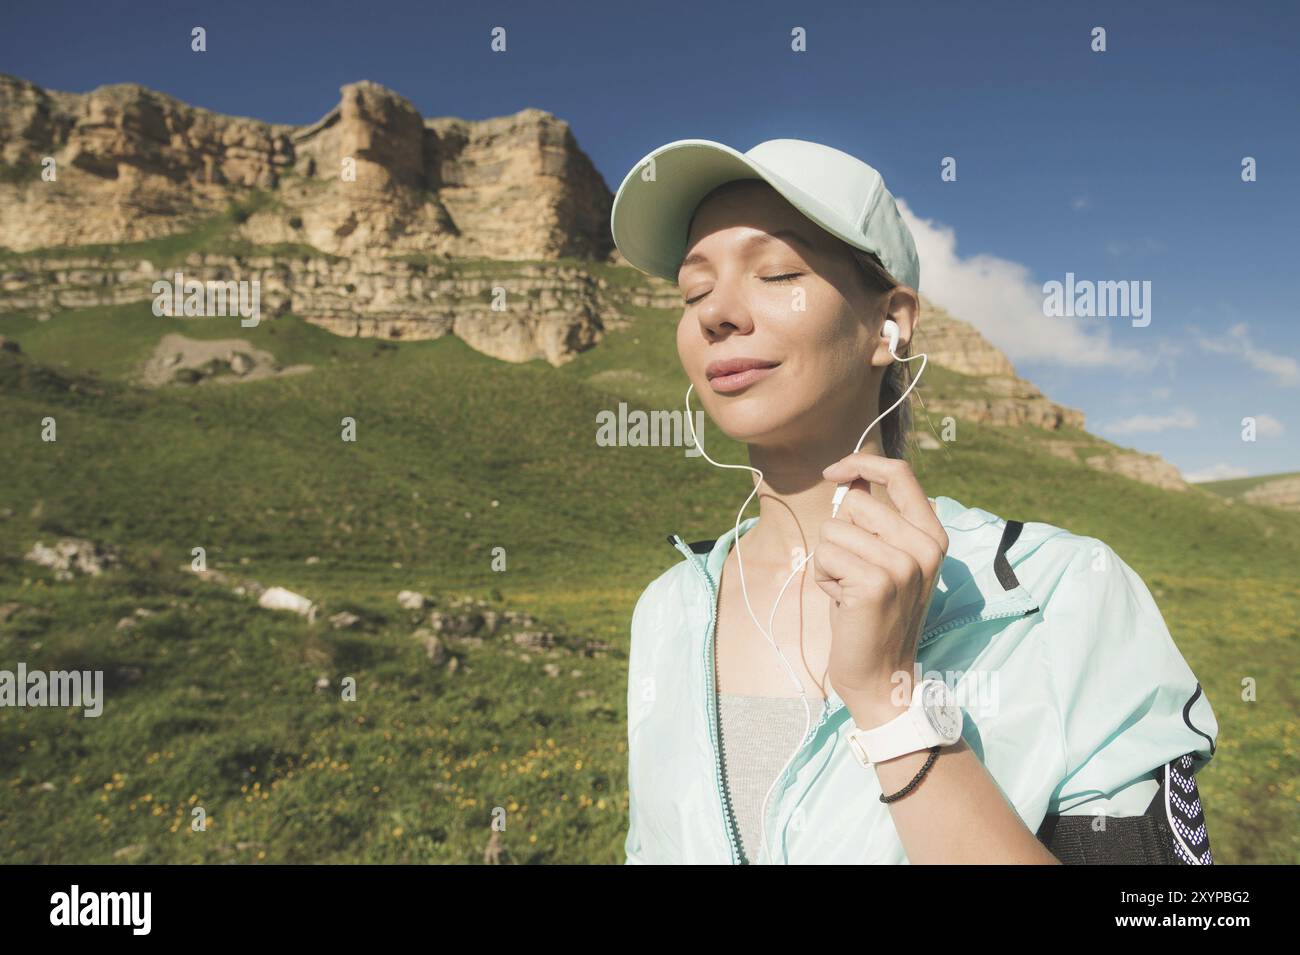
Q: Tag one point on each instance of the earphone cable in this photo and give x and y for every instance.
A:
(840, 492)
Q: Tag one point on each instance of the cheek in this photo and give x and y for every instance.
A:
(821, 336)
(824, 351)
(688, 346)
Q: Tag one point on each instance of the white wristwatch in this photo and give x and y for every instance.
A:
(932, 719)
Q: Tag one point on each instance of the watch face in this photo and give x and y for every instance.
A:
(942, 710)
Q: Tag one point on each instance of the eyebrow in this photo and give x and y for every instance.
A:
(758, 238)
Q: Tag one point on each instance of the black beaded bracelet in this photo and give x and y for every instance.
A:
(934, 754)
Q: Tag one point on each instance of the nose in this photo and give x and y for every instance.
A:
(724, 311)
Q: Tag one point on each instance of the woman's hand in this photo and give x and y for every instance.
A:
(879, 566)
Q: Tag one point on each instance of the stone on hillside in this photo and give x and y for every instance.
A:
(240, 363)
(412, 600)
(460, 625)
(535, 639)
(177, 359)
(71, 556)
(433, 647)
(344, 620)
(278, 598)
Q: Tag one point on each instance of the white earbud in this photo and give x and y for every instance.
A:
(890, 331)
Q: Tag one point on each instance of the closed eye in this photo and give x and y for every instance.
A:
(787, 277)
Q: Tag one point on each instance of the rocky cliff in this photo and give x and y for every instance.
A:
(130, 164)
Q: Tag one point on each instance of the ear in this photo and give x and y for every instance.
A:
(901, 305)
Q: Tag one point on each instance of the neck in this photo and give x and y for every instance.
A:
(794, 500)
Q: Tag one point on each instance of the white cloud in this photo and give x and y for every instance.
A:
(1001, 299)
(1215, 472)
(1236, 342)
(1161, 393)
(1266, 426)
(1079, 203)
(1150, 424)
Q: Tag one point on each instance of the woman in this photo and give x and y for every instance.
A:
(981, 689)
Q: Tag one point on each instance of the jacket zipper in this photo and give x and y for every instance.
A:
(724, 800)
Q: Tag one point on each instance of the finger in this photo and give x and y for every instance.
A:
(857, 579)
(899, 481)
(903, 568)
(832, 587)
(873, 515)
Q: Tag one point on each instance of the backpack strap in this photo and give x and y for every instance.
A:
(1001, 566)
(1171, 831)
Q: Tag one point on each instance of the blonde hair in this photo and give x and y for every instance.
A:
(895, 427)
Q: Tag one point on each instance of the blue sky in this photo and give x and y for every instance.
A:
(1115, 166)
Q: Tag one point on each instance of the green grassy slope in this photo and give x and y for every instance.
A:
(211, 700)
(1236, 487)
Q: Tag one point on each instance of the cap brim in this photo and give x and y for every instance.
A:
(650, 217)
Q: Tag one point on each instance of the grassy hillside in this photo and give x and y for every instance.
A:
(212, 701)
(1236, 487)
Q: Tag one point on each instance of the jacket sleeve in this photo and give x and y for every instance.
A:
(1127, 702)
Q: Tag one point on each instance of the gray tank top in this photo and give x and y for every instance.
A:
(759, 735)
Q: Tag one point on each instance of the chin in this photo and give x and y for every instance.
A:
(748, 418)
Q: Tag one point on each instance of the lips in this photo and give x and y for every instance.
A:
(736, 374)
(734, 366)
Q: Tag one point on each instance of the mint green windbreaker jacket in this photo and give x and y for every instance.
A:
(1073, 692)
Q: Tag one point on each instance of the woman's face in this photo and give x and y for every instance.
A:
(761, 281)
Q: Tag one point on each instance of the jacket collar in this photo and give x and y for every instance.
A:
(976, 581)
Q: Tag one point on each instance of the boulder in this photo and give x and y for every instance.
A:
(70, 556)
(412, 600)
(278, 598)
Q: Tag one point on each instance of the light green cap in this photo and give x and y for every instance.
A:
(842, 194)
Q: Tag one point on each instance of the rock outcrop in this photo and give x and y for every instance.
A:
(1147, 468)
(1283, 492)
(989, 392)
(180, 360)
(130, 163)
(512, 311)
